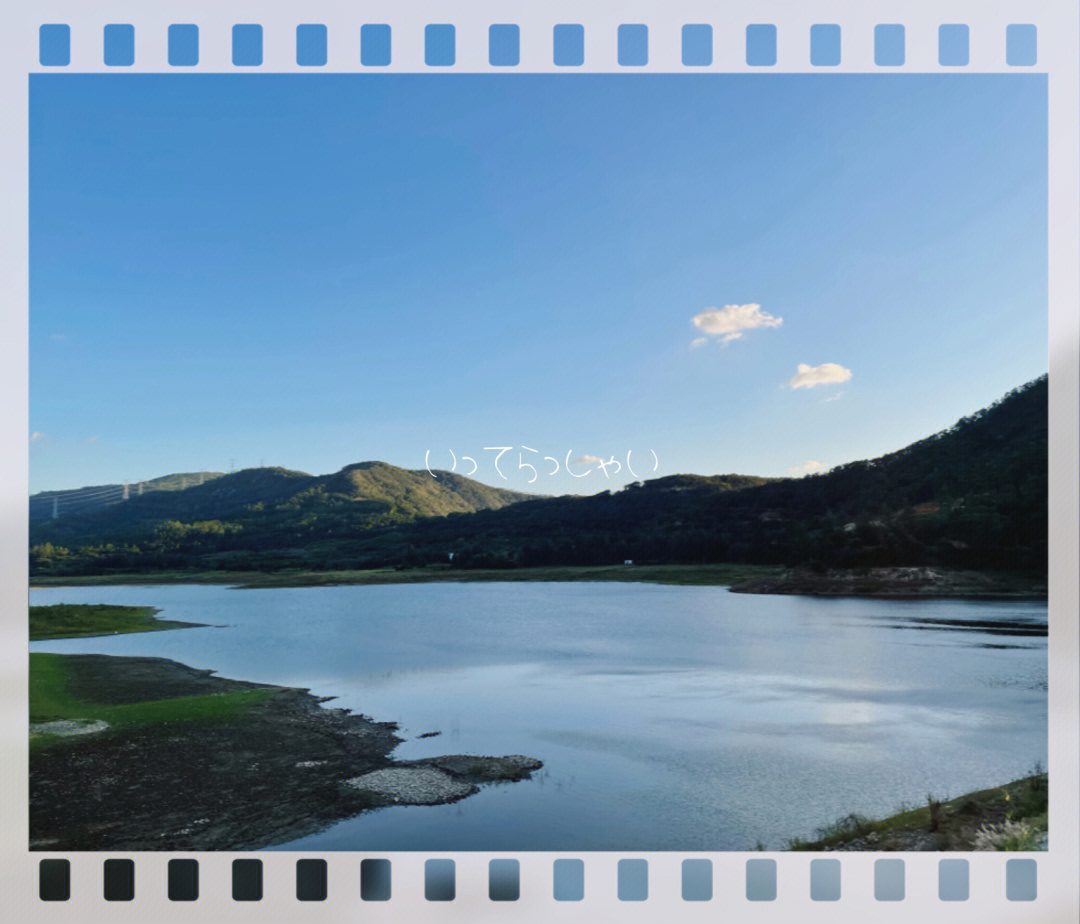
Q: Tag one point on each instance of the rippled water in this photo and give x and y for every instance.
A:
(668, 718)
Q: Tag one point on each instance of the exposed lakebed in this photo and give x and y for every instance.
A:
(667, 717)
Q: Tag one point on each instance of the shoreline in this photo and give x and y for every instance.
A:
(897, 583)
(1011, 817)
(168, 757)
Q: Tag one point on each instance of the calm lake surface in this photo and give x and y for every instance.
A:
(667, 717)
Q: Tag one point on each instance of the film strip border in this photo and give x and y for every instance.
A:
(560, 880)
(565, 47)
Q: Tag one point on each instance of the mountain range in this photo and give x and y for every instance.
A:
(972, 496)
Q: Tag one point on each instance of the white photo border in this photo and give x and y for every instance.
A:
(1058, 44)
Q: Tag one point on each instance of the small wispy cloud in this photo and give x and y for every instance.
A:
(810, 467)
(698, 342)
(586, 460)
(36, 436)
(729, 322)
(91, 439)
(58, 337)
(813, 376)
(835, 397)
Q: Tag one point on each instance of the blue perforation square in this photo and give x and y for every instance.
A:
(439, 45)
(119, 45)
(696, 45)
(633, 45)
(568, 880)
(375, 45)
(825, 45)
(889, 45)
(761, 45)
(953, 46)
(633, 880)
(247, 50)
(311, 45)
(569, 45)
(183, 45)
(54, 45)
(1021, 43)
(504, 46)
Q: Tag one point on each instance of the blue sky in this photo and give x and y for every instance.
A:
(742, 273)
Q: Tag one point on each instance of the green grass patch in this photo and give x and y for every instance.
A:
(1008, 817)
(51, 700)
(74, 620)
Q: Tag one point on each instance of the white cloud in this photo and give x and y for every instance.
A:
(729, 322)
(825, 374)
(36, 435)
(698, 342)
(587, 460)
(91, 439)
(835, 397)
(808, 468)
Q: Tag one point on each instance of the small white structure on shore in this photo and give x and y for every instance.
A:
(628, 561)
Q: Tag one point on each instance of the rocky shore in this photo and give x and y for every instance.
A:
(278, 768)
(897, 583)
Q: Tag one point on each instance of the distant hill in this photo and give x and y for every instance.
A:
(264, 510)
(973, 496)
(45, 504)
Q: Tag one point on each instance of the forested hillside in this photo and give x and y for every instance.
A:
(972, 496)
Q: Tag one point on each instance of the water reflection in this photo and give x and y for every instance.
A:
(721, 719)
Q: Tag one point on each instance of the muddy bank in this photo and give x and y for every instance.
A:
(897, 583)
(277, 769)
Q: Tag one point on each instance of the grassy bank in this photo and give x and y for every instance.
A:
(719, 575)
(54, 697)
(1009, 817)
(79, 620)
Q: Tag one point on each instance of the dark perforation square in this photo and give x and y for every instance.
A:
(825, 45)
(568, 880)
(504, 881)
(633, 45)
(247, 880)
(119, 880)
(311, 45)
(183, 45)
(633, 880)
(697, 45)
(696, 880)
(953, 880)
(504, 46)
(311, 880)
(247, 45)
(375, 45)
(439, 880)
(183, 880)
(54, 45)
(375, 880)
(889, 880)
(761, 45)
(569, 45)
(760, 880)
(1021, 45)
(953, 45)
(119, 42)
(439, 45)
(825, 880)
(1021, 880)
(54, 880)
(889, 45)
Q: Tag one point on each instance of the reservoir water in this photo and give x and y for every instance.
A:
(667, 717)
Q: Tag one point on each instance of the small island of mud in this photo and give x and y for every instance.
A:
(149, 754)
